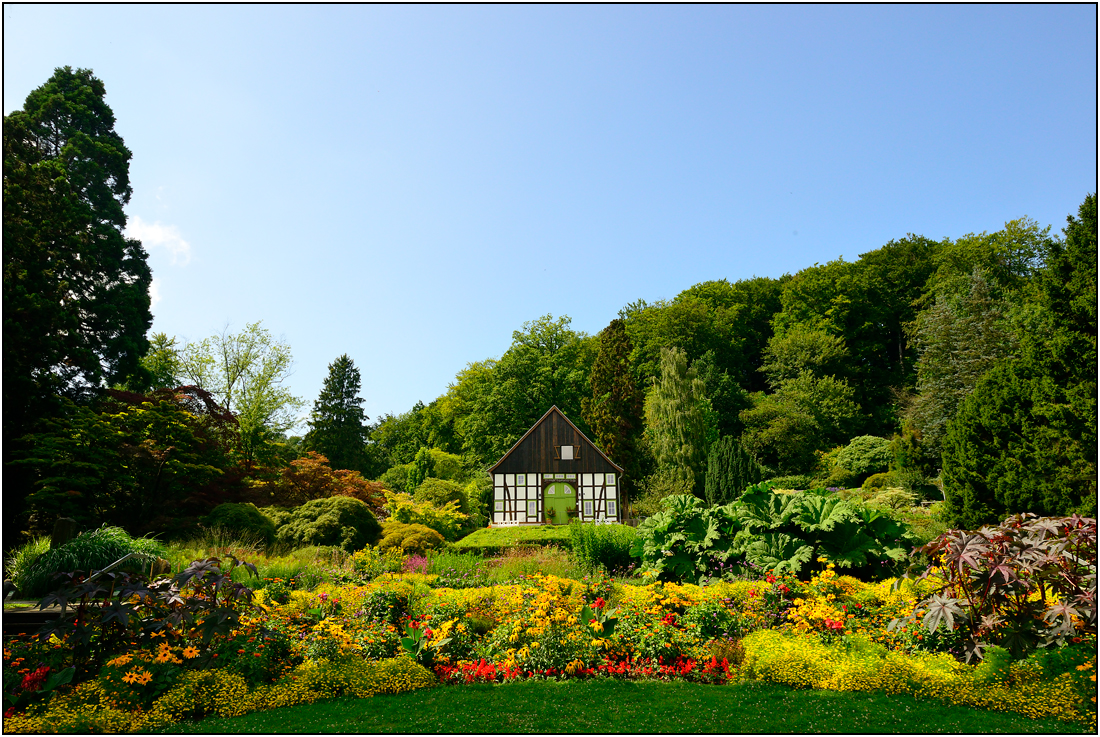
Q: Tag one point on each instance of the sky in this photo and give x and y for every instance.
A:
(410, 184)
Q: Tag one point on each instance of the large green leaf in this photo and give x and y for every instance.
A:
(762, 509)
(848, 545)
(821, 513)
(778, 552)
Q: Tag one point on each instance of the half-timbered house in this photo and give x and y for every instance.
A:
(552, 474)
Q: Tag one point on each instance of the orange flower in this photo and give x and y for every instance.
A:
(144, 678)
(190, 652)
(130, 677)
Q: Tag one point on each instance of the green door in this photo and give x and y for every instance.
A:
(559, 496)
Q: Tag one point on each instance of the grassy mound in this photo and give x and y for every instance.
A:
(493, 540)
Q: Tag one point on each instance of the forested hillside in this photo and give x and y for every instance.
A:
(962, 369)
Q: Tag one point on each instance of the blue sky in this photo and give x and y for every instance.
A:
(409, 184)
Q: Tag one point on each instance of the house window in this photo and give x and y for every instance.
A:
(611, 508)
(532, 509)
(550, 489)
(498, 506)
(610, 479)
(588, 508)
(520, 479)
(567, 452)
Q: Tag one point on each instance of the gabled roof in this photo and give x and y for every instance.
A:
(554, 411)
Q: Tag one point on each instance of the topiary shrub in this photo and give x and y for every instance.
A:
(242, 519)
(410, 537)
(865, 455)
(440, 491)
(340, 521)
(876, 482)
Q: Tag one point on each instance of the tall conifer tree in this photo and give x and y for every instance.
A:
(730, 468)
(614, 411)
(337, 423)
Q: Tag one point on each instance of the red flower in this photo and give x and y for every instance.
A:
(599, 603)
(770, 579)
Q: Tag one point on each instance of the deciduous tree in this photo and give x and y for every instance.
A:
(680, 424)
(246, 374)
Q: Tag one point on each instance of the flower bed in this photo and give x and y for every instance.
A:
(144, 656)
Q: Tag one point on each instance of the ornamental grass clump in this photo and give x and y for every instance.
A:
(605, 547)
(89, 551)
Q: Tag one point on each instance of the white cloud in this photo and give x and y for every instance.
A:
(155, 235)
(154, 293)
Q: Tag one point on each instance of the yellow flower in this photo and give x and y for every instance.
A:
(130, 677)
(144, 678)
(190, 652)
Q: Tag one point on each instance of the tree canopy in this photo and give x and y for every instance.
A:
(76, 290)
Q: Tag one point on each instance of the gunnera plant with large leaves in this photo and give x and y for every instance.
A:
(767, 531)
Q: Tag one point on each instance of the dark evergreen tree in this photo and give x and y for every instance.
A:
(614, 411)
(1025, 439)
(337, 423)
(730, 468)
(76, 290)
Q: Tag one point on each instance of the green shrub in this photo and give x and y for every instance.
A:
(412, 538)
(865, 455)
(893, 498)
(396, 478)
(92, 550)
(278, 516)
(877, 481)
(479, 497)
(445, 520)
(339, 521)
(243, 519)
(602, 546)
(656, 488)
(438, 492)
(730, 469)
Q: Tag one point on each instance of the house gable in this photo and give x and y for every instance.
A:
(539, 450)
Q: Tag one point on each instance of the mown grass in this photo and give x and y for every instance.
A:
(630, 707)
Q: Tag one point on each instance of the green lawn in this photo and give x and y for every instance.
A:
(629, 707)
